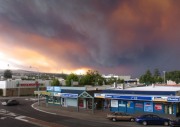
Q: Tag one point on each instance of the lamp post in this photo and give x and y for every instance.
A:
(37, 83)
(164, 77)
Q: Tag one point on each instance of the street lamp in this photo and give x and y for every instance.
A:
(37, 82)
(164, 77)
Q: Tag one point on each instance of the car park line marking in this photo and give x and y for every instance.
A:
(42, 110)
(22, 118)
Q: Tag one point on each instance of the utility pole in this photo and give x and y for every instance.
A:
(164, 77)
(37, 83)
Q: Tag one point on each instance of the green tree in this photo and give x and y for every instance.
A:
(70, 78)
(157, 77)
(92, 77)
(7, 74)
(55, 82)
(146, 78)
(174, 76)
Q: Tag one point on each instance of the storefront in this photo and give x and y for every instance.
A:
(135, 103)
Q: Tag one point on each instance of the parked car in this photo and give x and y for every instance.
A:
(175, 123)
(151, 119)
(10, 102)
(120, 116)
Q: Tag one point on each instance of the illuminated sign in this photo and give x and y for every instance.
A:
(50, 88)
(98, 95)
(159, 98)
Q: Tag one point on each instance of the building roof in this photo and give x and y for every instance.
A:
(155, 88)
(147, 90)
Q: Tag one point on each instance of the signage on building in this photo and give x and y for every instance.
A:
(114, 103)
(138, 105)
(116, 96)
(69, 95)
(160, 99)
(49, 88)
(173, 99)
(57, 94)
(148, 106)
(98, 95)
(57, 88)
(29, 84)
(158, 107)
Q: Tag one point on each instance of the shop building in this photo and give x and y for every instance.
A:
(22, 87)
(79, 97)
(149, 99)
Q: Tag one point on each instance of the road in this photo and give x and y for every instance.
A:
(25, 112)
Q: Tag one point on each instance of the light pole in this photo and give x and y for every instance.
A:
(164, 77)
(37, 83)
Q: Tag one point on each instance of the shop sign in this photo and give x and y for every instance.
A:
(128, 97)
(158, 107)
(57, 88)
(29, 84)
(45, 93)
(173, 99)
(138, 105)
(130, 104)
(57, 94)
(159, 98)
(114, 103)
(148, 106)
(122, 105)
(68, 95)
(98, 95)
(49, 88)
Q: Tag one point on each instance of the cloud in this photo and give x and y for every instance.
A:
(120, 36)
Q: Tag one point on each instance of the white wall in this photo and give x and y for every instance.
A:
(13, 83)
(2, 84)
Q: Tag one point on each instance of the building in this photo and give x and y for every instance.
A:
(21, 87)
(78, 97)
(127, 78)
(147, 99)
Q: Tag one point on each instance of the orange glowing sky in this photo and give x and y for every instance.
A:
(112, 36)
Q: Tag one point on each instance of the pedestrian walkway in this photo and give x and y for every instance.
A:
(99, 115)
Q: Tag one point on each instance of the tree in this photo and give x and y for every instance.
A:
(7, 74)
(92, 77)
(55, 82)
(70, 78)
(157, 77)
(146, 78)
(174, 76)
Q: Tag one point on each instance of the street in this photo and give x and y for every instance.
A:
(24, 112)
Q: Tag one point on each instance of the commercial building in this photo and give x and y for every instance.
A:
(79, 97)
(147, 99)
(22, 87)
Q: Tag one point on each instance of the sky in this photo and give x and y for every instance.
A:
(122, 37)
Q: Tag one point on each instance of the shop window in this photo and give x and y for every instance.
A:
(50, 99)
(81, 104)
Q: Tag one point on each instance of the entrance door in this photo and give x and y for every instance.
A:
(168, 109)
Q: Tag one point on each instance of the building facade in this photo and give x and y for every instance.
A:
(22, 87)
(158, 100)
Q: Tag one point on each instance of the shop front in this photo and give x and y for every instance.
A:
(142, 104)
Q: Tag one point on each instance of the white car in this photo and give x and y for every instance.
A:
(10, 102)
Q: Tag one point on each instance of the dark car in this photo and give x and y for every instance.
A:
(175, 123)
(120, 116)
(151, 119)
(10, 102)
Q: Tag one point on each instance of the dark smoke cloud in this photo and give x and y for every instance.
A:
(103, 34)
